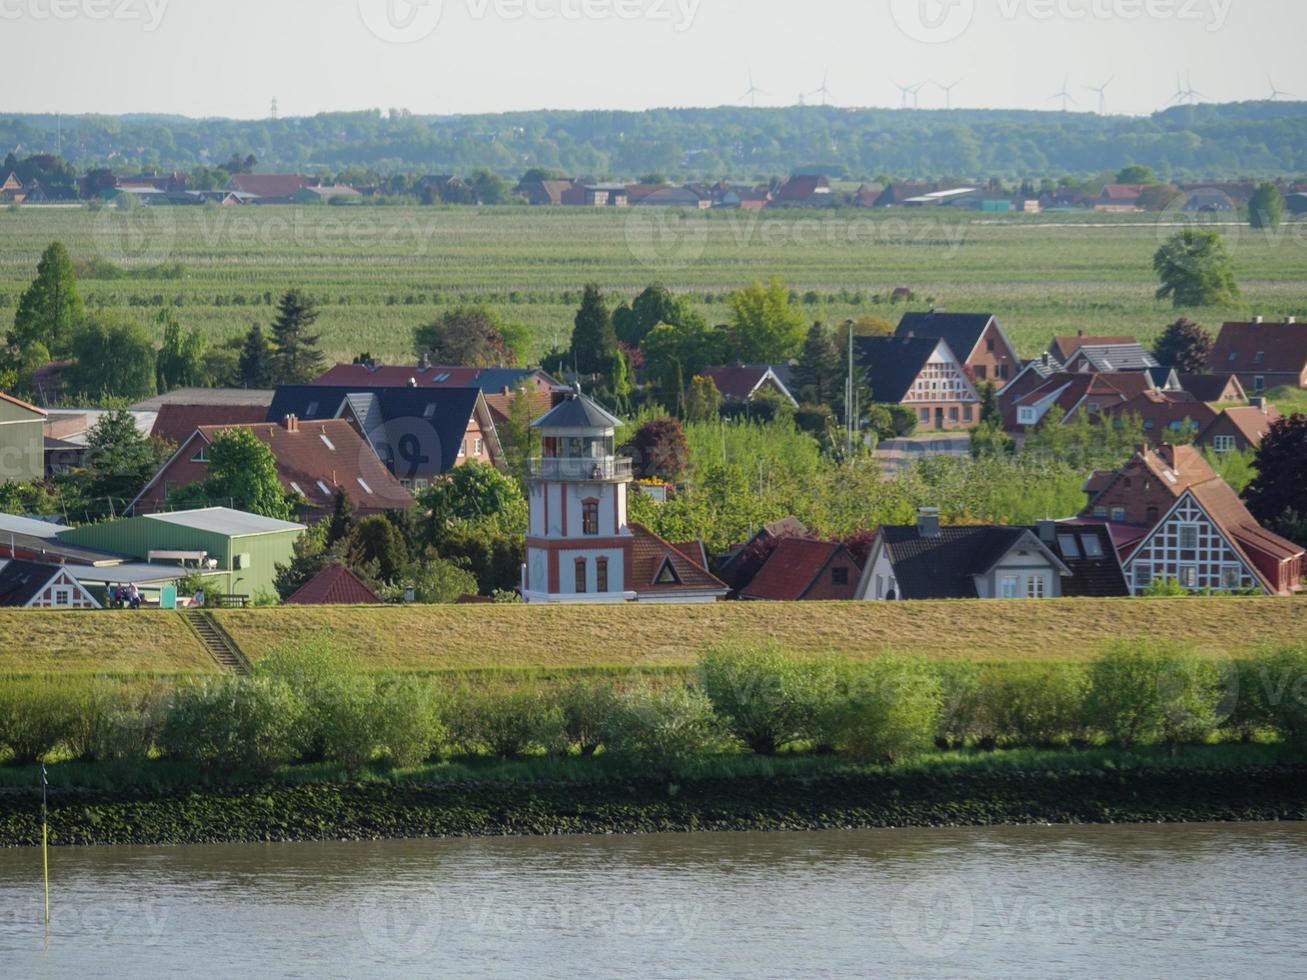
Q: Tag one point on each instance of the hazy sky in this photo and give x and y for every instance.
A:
(232, 57)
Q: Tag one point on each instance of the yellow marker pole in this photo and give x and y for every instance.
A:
(45, 843)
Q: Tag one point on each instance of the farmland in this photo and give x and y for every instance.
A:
(654, 638)
(379, 271)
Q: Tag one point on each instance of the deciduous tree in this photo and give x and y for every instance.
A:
(1185, 346)
(764, 327)
(113, 357)
(1196, 270)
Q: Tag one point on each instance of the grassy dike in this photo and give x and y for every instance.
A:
(433, 639)
(1226, 783)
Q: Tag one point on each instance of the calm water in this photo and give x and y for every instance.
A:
(1191, 901)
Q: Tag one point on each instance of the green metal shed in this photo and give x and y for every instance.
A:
(246, 547)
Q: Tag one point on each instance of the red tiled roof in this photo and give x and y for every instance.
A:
(335, 585)
(326, 453)
(693, 550)
(21, 404)
(1071, 389)
(1162, 413)
(650, 553)
(270, 185)
(176, 423)
(1282, 346)
(794, 567)
(1251, 421)
(1122, 192)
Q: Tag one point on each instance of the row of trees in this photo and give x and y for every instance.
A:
(109, 356)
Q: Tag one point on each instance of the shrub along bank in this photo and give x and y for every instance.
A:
(833, 726)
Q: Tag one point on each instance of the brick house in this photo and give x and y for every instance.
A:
(804, 569)
(1239, 427)
(1165, 415)
(1263, 355)
(1119, 199)
(921, 374)
(1074, 394)
(975, 338)
(1172, 517)
(314, 460)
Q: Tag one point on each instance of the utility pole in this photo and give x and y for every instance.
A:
(849, 407)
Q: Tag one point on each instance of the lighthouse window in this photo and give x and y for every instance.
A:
(580, 575)
(590, 516)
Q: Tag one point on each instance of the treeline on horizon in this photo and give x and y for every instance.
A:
(1184, 142)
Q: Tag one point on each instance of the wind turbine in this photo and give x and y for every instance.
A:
(906, 90)
(1102, 94)
(824, 91)
(1193, 94)
(1181, 93)
(1275, 92)
(1064, 95)
(948, 92)
(753, 92)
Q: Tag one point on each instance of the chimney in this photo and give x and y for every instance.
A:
(1047, 531)
(412, 382)
(1258, 403)
(291, 423)
(1080, 333)
(506, 392)
(1291, 320)
(928, 522)
(1257, 319)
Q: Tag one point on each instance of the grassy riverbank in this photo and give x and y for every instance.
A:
(432, 639)
(1222, 783)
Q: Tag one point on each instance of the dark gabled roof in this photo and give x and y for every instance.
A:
(738, 382)
(1091, 577)
(893, 364)
(943, 567)
(1109, 358)
(962, 330)
(417, 432)
(1211, 387)
(21, 581)
(578, 411)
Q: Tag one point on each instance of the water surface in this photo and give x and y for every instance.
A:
(1188, 900)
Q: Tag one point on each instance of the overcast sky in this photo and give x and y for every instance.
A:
(232, 57)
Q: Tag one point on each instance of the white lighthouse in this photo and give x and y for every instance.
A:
(579, 545)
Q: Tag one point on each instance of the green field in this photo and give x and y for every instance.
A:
(378, 272)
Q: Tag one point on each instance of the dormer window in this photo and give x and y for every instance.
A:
(667, 574)
(1259, 357)
(311, 411)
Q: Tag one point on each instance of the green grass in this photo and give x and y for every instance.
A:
(1288, 400)
(378, 272)
(105, 642)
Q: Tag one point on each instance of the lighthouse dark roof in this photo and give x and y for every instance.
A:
(578, 412)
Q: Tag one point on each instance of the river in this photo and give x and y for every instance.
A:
(1194, 900)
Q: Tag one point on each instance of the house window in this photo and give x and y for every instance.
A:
(1093, 408)
(1035, 588)
(667, 574)
(601, 574)
(1234, 356)
(1127, 483)
(1003, 372)
(429, 411)
(1223, 444)
(1152, 515)
(477, 447)
(980, 372)
(1149, 425)
(462, 448)
(923, 414)
(952, 414)
(1231, 577)
(590, 516)
(839, 576)
(1259, 384)
(968, 414)
(201, 455)
(1189, 576)
(989, 345)
(580, 576)
(880, 586)
(1188, 537)
(1093, 548)
(1007, 587)
(1118, 514)
(1027, 416)
(1143, 576)
(1100, 511)
(1259, 357)
(1067, 542)
(311, 411)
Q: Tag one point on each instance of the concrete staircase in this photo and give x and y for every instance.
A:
(217, 641)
